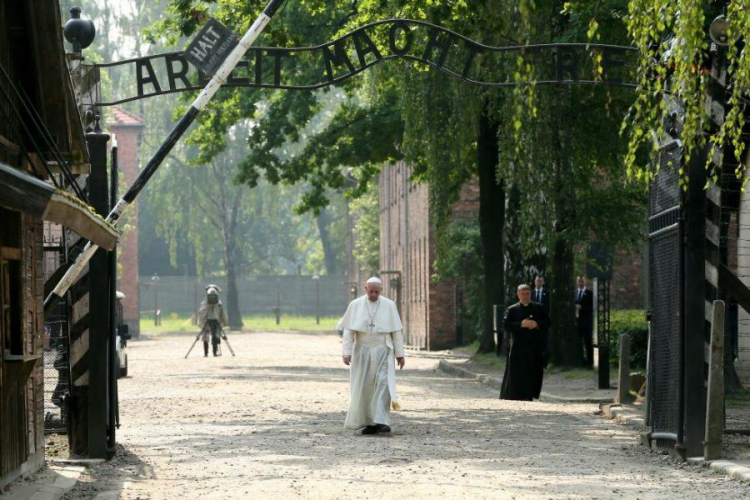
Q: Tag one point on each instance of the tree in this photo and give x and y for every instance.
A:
(405, 112)
(366, 213)
(235, 231)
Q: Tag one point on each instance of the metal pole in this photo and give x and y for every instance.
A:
(602, 332)
(195, 302)
(156, 304)
(277, 309)
(649, 378)
(99, 307)
(715, 405)
(623, 379)
(317, 301)
(113, 371)
(200, 103)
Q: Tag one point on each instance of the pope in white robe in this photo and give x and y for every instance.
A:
(373, 342)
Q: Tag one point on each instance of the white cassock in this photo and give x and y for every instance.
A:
(373, 337)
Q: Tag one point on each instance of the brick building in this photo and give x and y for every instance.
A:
(407, 252)
(629, 284)
(128, 128)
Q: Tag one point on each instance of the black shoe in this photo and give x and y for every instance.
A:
(370, 429)
(382, 428)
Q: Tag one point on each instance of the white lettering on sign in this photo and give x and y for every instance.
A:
(205, 44)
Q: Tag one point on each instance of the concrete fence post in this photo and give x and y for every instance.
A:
(623, 379)
(715, 402)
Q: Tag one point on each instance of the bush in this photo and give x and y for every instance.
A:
(633, 322)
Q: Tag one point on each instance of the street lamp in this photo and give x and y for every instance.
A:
(316, 278)
(154, 283)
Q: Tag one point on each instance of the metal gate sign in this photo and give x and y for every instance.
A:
(210, 47)
(419, 42)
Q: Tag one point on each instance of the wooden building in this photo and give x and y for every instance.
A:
(41, 143)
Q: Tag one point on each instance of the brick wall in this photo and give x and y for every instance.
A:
(629, 281)
(128, 142)
(404, 240)
(407, 245)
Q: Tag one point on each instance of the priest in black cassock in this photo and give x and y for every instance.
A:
(526, 323)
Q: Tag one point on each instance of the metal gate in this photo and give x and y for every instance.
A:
(665, 287)
(56, 347)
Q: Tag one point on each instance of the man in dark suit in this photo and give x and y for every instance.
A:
(584, 304)
(525, 322)
(540, 295)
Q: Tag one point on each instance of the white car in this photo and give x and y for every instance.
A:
(122, 339)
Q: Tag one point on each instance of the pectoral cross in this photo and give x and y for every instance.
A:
(372, 327)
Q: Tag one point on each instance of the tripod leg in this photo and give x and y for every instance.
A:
(226, 339)
(229, 345)
(191, 348)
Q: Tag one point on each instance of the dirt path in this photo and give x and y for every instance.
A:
(268, 424)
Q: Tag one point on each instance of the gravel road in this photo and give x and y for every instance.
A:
(269, 424)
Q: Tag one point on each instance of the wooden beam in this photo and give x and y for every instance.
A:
(71, 213)
(10, 146)
(10, 253)
(25, 193)
(730, 283)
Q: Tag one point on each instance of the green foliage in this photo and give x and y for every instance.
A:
(674, 64)
(189, 202)
(366, 213)
(253, 323)
(486, 361)
(632, 322)
(461, 259)
(565, 158)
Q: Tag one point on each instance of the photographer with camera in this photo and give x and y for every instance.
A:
(211, 317)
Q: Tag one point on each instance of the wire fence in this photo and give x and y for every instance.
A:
(56, 349)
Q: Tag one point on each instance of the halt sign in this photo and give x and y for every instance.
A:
(210, 47)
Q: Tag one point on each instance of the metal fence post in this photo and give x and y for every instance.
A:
(602, 325)
(623, 379)
(715, 404)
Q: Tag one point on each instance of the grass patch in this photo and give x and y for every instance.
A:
(256, 323)
(172, 323)
(489, 360)
(467, 350)
(267, 323)
(486, 360)
(740, 400)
